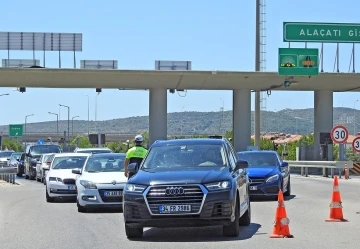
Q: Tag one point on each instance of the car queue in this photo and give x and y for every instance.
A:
(179, 182)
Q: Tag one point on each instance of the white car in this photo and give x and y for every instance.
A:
(42, 166)
(93, 150)
(101, 182)
(60, 181)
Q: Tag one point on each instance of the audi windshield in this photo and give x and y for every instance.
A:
(185, 156)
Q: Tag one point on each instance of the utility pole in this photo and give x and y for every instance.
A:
(257, 69)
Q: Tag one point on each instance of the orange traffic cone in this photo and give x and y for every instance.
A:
(336, 213)
(281, 225)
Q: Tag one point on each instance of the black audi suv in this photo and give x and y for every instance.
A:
(187, 183)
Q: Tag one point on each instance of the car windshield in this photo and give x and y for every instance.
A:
(185, 156)
(94, 151)
(15, 156)
(105, 163)
(44, 149)
(6, 154)
(68, 162)
(258, 159)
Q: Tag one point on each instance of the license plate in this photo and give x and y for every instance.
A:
(113, 193)
(72, 187)
(253, 187)
(168, 209)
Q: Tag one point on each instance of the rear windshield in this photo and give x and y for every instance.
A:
(46, 157)
(15, 156)
(6, 153)
(44, 149)
(94, 151)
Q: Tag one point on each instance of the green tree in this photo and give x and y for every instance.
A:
(229, 134)
(12, 145)
(117, 147)
(84, 142)
(307, 140)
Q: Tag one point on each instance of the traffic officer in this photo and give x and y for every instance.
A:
(136, 154)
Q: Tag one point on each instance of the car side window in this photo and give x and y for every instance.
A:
(233, 152)
(231, 156)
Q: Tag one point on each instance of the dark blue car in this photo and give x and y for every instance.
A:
(187, 183)
(267, 173)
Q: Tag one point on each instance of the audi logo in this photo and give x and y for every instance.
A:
(174, 191)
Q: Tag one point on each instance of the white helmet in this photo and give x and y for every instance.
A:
(139, 138)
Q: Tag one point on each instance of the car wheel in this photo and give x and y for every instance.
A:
(133, 232)
(48, 198)
(81, 209)
(30, 176)
(233, 229)
(288, 189)
(245, 220)
(26, 175)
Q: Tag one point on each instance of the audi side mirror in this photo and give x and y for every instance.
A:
(132, 168)
(241, 164)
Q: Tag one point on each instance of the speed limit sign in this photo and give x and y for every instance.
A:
(356, 144)
(339, 134)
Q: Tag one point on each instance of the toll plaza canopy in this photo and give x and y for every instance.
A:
(190, 80)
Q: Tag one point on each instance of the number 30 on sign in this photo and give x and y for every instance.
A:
(356, 144)
(339, 134)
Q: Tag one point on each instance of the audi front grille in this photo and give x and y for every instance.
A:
(175, 195)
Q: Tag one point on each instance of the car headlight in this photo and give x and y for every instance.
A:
(88, 184)
(55, 179)
(273, 178)
(223, 185)
(134, 188)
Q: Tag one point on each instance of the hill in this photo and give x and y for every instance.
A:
(292, 121)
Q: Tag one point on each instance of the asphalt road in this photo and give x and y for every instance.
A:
(27, 221)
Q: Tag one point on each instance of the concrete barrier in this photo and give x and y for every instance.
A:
(8, 174)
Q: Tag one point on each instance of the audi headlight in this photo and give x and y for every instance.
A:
(218, 185)
(273, 178)
(88, 184)
(134, 188)
(55, 179)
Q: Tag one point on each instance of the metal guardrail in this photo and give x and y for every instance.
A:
(332, 165)
(8, 174)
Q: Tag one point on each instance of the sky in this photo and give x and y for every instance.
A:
(214, 35)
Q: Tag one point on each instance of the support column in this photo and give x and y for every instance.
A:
(157, 115)
(323, 118)
(241, 119)
(257, 120)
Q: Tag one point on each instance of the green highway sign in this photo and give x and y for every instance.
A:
(16, 130)
(321, 32)
(298, 61)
